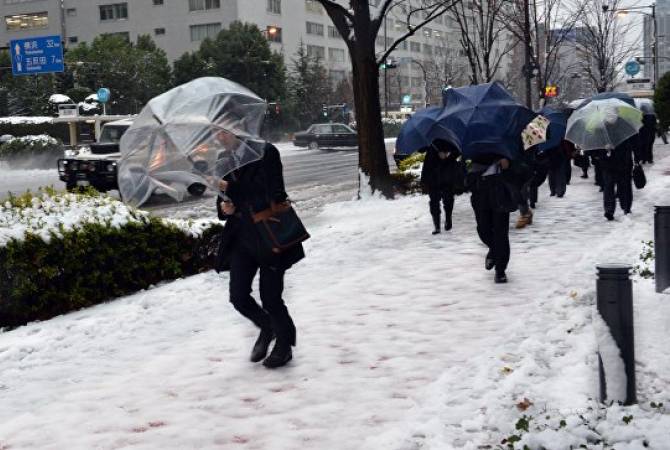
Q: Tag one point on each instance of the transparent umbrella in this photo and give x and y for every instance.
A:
(603, 124)
(190, 135)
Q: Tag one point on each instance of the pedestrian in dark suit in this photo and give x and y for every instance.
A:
(442, 176)
(647, 138)
(248, 190)
(617, 175)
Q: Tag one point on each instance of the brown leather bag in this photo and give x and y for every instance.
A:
(280, 227)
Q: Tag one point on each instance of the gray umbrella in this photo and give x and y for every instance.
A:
(194, 133)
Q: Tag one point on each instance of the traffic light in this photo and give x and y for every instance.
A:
(324, 110)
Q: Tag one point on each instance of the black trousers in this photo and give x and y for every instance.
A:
(599, 172)
(492, 228)
(437, 195)
(273, 315)
(568, 172)
(558, 179)
(617, 185)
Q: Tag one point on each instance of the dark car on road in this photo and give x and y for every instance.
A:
(326, 135)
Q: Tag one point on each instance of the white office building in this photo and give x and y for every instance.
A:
(179, 26)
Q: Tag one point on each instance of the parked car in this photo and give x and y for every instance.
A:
(326, 135)
(96, 164)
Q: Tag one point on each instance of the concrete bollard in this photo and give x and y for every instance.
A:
(662, 247)
(615, 305)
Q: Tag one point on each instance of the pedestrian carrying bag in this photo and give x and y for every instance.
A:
(639, 178)
(279, 227)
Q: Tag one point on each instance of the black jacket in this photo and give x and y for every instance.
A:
(620, 160)
(446, 173)
(251, 189)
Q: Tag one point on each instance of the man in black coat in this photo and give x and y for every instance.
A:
(617, 175)
(647, 138)
(442, 176)
(495, 183)
(246, 191)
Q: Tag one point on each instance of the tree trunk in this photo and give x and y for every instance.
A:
(372, 152)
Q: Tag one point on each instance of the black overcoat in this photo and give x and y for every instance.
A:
(251, 189)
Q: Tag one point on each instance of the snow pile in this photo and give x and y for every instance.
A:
(34, 138)
(15, 120)
(49, 214)
(610, 355)
(60, 98)
(86, 106)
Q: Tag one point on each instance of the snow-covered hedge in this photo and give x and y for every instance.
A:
(63, 251)
(41, 151)
(26, 126)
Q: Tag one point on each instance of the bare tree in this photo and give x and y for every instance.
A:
(553, 27)
(602, 43)
(484, 37)
(359, 26)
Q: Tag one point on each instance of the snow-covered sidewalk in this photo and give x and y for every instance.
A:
(404, 341)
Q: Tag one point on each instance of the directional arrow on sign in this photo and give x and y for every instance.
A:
(17, 49)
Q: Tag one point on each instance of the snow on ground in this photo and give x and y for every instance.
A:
(404, 342)
(43, 138)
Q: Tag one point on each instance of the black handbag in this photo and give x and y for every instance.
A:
(505, 196)
(279, 227)
(639, 178)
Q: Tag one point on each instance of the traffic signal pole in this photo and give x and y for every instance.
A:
(386, 75)
(526, 43)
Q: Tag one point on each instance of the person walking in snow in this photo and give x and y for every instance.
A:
(647, 138)
(442, 176)
(537, 165)
(617, 175)
(495, 183)
(247, 190)
(559, 168)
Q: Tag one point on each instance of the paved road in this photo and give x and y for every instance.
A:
(313, 177)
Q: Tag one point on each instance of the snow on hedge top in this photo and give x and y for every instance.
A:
(48, 214)
(14, 120)
(31, 138)
(60, 98)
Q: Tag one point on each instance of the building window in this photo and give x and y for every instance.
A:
(158, 2)
(315, 28)
(116, 11)
(313, 6)
(71, 12)
(73, 39)
(316, 51)
(427, 49)
(33, 21)
(336, 54)
(203, 5)
(417, 81)
(122, 34)
(415, 46)
(333, 33)
(336, 76)
(273, 33)
(274, 6)
(400, 25)
(205, 30)
(159, 31)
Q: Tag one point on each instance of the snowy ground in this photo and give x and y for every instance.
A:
(404, 342)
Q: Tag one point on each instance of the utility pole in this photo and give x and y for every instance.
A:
(386, 75)
(526, 43)
(655, 47)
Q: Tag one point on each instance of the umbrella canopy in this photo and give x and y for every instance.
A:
(420, 130)
(535, 132)
(193, 133)
(603, 124)
(607, 95)
(646, 105)
(558, 122)
(485, 119)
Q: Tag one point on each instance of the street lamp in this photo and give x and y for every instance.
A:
(622, 12)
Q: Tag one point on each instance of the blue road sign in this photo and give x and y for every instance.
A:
(43, 54)
(103, 95)
(407, 99)
(632, 68)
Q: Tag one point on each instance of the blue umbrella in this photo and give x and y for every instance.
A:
(420, 130)
(605, 95)
(558, 123)
(486, 119)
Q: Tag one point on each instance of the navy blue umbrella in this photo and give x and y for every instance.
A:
(605, 95)
(486, 119)
(420, 130)
(558, 124)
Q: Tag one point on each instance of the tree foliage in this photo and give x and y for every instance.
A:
(662, 101)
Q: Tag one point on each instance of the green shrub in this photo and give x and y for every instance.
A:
(662, 102)
(93, 264)
(57, 130)
(392, 127)
(413, 161)
(29, 152)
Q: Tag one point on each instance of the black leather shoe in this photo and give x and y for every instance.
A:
(447, 224)
(280, 355)
(436, 231)
(500, 277)
(489, 263)
(609, 216)
(260, 349)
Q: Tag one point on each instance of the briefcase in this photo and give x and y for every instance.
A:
(279, 227)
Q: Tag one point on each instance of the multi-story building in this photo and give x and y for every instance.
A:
(179, 26)
(663, 33)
